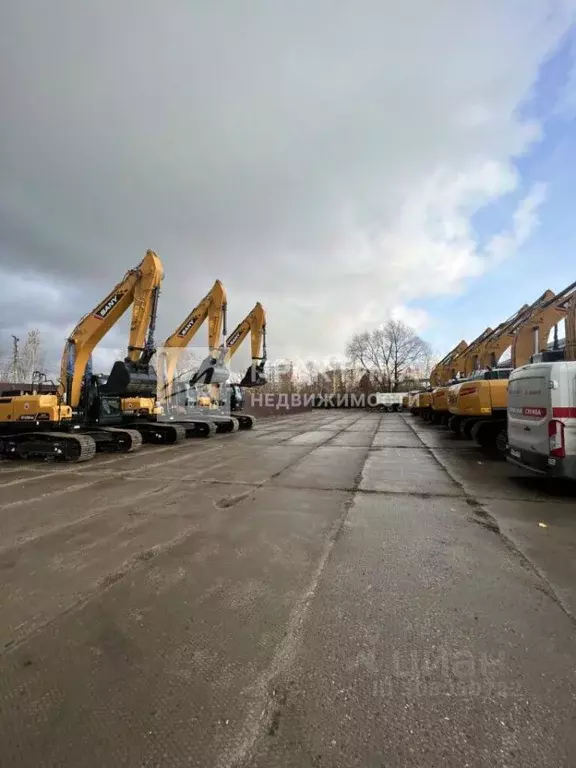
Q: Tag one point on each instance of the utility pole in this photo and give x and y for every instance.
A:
(15, 358)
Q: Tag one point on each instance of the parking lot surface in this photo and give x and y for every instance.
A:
(335, 588)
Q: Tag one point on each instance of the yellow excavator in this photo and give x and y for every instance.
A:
(231, 395)
(84, 412)
(213, 307)
(228, 398)
(446, 370)
(224, 402)
(481, 407)
(462, 365)
(175, 399)
(478, 369)
(443, 372)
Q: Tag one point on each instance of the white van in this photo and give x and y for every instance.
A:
(542, 418)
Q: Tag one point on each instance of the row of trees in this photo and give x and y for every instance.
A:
(391, 358)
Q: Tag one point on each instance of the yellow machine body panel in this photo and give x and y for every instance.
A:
(481, 397)
(140, 405)
(440, 399)
(425, 400)
(32, 408)
(406, 400)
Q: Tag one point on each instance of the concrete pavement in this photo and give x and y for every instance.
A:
(334, 589)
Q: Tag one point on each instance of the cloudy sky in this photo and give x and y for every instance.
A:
(339, 162)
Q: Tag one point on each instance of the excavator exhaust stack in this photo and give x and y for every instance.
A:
(254, 376)
(131, 379)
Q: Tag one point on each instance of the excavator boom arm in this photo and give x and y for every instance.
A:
(94, 326)
(441, 370)
(146, 292)
(254, 324)
(532, 336)
(213, 306)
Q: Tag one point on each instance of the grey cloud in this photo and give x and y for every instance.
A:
(246, 141)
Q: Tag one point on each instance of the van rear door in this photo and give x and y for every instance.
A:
(529, 413)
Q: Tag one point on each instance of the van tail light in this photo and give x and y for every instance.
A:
(556, 439)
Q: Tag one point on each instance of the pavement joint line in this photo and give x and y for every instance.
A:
(259, 715)
(372, 492)
(314, 447)
(490, 521)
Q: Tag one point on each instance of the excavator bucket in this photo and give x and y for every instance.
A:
(128, 378)
(211, 371)
(254, 377)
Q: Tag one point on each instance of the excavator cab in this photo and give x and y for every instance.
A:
(98, 406)
(254, 376)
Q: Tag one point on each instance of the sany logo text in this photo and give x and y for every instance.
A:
(108, 305)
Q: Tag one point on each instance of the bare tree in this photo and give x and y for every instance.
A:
(387, 353)
(33, 357)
